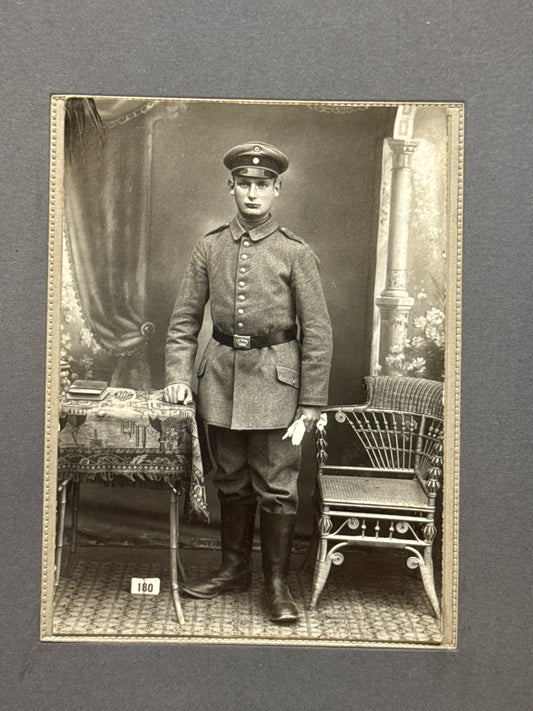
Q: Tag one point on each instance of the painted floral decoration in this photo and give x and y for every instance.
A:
(423, 353)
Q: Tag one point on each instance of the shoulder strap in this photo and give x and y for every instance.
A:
(218, 229)
(291, 235)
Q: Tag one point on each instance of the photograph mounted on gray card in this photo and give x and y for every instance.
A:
(253, 372)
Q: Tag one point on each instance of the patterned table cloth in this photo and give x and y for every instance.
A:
(134, 436)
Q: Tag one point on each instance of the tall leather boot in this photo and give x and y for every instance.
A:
(237, 534)
(277, 532)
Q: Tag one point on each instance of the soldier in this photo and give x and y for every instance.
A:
(266, 366)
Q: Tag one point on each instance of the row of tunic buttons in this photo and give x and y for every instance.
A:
(242, 283)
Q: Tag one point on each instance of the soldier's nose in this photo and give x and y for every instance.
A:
(253, 190)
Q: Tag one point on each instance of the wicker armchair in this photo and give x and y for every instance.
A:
(388, 499)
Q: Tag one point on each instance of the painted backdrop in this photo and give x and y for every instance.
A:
(333, 196)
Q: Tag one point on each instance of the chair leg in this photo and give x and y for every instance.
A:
(73, 527)
(428, 579)
(322, 568)
(174, 556)
(425, 565)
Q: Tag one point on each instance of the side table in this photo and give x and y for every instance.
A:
(130, 436)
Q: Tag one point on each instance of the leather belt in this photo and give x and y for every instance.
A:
(274, 338)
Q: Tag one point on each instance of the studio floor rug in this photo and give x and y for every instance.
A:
(368, 600)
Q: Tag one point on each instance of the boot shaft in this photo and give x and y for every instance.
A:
(237, 521)
(237, 534)
(277, 533)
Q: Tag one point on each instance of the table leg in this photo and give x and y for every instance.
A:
(181, 570)
(73, 527)
(174, 519)
(62, 489)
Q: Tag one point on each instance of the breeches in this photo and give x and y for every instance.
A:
(256, 464)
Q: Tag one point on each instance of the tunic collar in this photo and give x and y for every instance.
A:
(256, 233)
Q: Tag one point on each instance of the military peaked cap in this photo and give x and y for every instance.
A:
(256, 160)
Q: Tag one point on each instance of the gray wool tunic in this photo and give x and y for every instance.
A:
(256, 282)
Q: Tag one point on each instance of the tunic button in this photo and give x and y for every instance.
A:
(242, 270)
(244, 256)
(241, 297)
(240, 325)
(246, 243)
(240, 311)
(242, 283)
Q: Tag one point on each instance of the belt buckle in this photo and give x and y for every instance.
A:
(242, 342)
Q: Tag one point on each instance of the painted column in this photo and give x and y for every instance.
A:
(395, 303)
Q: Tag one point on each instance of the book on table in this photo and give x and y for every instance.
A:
(88, 389)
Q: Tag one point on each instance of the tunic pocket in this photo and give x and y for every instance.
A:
(289, 376)
(201, 368)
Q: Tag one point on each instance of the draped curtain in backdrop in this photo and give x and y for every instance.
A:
(108, 147)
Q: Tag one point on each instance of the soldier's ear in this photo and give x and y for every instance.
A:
(231, 185)
(277, 187)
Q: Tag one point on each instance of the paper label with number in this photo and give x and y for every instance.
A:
(145, 586)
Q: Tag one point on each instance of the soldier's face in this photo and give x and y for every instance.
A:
(254, 196)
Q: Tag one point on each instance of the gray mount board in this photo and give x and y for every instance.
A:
(474, 52)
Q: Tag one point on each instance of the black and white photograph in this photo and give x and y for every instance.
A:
(253, 372)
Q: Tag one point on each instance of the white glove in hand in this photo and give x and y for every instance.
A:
(296, 431)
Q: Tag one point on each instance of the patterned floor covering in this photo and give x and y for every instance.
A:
(367, 600)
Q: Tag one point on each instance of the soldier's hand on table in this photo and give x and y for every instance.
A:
(179, 393)
(310, 416)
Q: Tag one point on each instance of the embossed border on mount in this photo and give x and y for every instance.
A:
(452, 384)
